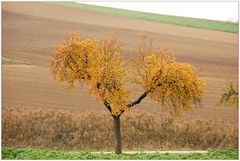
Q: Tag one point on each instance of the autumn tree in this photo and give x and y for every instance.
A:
(99, 65)
(230, 96)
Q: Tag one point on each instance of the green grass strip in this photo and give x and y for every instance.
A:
(27, 153)
(175, 20)
(7, 60)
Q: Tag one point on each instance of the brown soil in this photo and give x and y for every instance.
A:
(31, 30)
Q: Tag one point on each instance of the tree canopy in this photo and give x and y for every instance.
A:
(230, 95)
(98, 63)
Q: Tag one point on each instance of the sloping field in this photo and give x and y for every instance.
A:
(31, 30)
(168, 19)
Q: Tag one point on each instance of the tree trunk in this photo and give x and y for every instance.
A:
(117, 131)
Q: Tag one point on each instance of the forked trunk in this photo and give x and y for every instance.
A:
(117, 131)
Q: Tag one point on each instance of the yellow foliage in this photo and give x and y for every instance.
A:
(230, 95)
(170, 83)
(72, 58)
(99, 65)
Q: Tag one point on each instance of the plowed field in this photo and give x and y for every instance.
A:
(31, 30)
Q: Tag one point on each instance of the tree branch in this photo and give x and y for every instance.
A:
(137, 101)
(105, 102)
(107, 105)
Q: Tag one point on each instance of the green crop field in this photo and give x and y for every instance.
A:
(25, 153)
(175, 20)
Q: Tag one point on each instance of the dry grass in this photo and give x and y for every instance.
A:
(66, 130)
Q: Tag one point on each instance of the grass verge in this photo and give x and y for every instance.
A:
(175, 20)
(26, 153)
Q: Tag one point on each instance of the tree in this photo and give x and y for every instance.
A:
(99, 65)
(230, 95)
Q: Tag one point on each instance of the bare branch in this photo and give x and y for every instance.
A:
(137, 101)
(107, 105)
